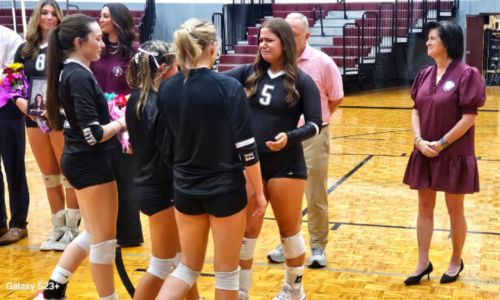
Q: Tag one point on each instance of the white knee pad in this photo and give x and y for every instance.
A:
(184, 273)
(160, 267)
(113, 296)
(103, 253)
(83, 241)
(66, 183)
(247, 248)
(51, 181)
(229, 281)
(293, 246)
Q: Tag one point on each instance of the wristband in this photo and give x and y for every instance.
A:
(444, 143)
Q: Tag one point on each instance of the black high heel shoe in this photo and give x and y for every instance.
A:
(448, 279)
(413, 280)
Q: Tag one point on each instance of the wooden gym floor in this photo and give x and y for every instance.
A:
(372, 243)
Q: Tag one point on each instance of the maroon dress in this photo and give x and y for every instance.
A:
(111, 71)
(460, 91)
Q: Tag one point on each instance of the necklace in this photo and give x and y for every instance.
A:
(113, 48)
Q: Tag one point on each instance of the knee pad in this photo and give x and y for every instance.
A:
(83, 241)
(184, 273)
(51, 181)
(247, 248)
(161, 267)
(293, 246)
(113, 296)
(229, 281)
(66, 183)
(103, 253)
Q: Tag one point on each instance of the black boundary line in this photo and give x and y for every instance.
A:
(401, 108)
(344, 178)
(201, 274)
(403, 155)
(336, 225)
(365, 134)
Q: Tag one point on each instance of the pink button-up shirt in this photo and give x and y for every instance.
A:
(325, 74)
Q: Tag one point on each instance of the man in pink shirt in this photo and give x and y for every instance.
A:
(326, 75)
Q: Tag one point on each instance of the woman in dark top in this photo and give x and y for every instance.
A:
(153, 180)
(110, 70)
(73, 88)
(278, 94)
(47, 147)
(208, 141)
(447, 96)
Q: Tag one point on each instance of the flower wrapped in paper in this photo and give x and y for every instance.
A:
(117, 105)
(13, 83)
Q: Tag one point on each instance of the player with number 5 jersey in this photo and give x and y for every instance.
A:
(278, 94)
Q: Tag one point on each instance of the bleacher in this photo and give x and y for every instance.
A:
(7, 20)
(369, 29)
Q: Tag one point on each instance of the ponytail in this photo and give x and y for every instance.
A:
(143, 69)
(191, 40)
(61, 40)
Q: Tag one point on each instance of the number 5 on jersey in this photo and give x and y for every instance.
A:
(266, 96)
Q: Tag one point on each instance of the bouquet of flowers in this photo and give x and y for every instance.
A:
(13, 83)
(117, 105)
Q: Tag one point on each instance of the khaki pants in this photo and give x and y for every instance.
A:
(316, 153)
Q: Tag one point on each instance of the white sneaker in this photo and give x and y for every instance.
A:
(63, 242)
(290, 293)
(242, 295)
(276, 256)
(317, 259)
(59, 222)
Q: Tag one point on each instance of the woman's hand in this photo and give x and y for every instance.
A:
(426, 149)
(280, 142)
(260, 205)
(436, 145)
(122, 123)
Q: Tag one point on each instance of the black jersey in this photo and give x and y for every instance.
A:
(272, 115)
(84, 105)
(146, 138)
(208, 127)
(33, 66)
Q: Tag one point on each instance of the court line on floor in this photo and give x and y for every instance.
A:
(345, 177)
(479, 158)
(365, 134)
(336, 226)
(354, 271)
(402, 108)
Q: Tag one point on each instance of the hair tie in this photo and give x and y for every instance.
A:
(153, 54)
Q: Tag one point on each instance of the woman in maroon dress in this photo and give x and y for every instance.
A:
(447, 96)
(110, 71)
